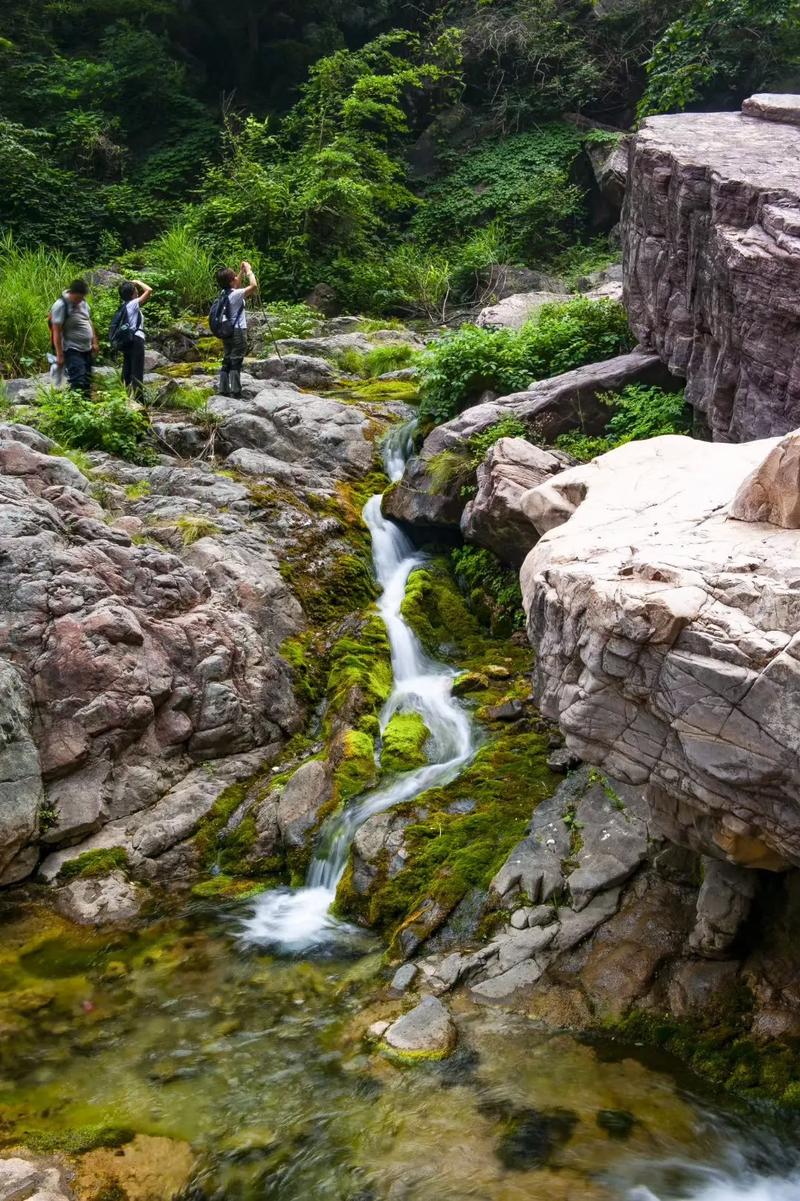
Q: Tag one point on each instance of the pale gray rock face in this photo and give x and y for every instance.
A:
(307, 371)
(549, 408)
(323, 436)
(33, 1180)
(301, 799)
(723, 904)
(105, 900)
(667, 641)
(773, 106)
(426, 1029)
(711, 244)
(494, 518)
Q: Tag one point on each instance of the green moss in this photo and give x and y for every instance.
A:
(344, 587)
(450, 852)
(716, 1045)
(95, 863)
(404, 742)
(138, 490)
(193, 527)
(308, 658)
(360, 677)
(207, 836)
(227, 888)
(77, 1141)
(356, 770)
(396, 391)
(438, 613)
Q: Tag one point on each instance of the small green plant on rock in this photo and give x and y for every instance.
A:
(637, 412)
(192, 527)
(95, 863)
(110, 422)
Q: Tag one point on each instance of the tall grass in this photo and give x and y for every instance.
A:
(30, 281)
(188, 266)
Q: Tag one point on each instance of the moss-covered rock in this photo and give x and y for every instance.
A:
(355, 770)
(438, 613)
(404, 742)
(457, 836)
(95, 863)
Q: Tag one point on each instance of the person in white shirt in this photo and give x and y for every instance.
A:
(133, 294)
(234, 346)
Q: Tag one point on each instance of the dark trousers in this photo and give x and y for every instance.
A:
(133, 368)
(78, 366)
(234, 349)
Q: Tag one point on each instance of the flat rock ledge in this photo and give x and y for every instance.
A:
(668, 640)
(425, 1032)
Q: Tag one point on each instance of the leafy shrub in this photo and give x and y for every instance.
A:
(637, 412)
(30, 281)
(723, 49)
(560, 337)
(493, 588)
(109, 423)
(291, 320)
(521, 184)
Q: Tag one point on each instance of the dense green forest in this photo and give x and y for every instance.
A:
(389, 149)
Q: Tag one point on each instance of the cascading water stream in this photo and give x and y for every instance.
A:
(296, 920)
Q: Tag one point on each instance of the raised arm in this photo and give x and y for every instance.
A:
(145, 291)
(246, 272)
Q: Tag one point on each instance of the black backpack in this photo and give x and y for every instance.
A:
(121, 333)
(220, 321)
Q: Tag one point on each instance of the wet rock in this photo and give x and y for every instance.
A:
(421, 500)
(723, 904)
(613, 842)
(403, 978)
(711, 233)
(425, 1031)
(494, 518)
(534, 865)
(666, 638)
(301, 799)
(107, 900)
(563, 759)
(32, 1180)
(697, 986)
(505, 987)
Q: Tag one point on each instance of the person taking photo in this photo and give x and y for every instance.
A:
(74, 338)
(133, 294)
(235, 289)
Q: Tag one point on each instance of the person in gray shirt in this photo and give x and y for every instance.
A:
(74, 338)
(234, 347)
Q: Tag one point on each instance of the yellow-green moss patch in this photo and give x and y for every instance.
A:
(404, 742)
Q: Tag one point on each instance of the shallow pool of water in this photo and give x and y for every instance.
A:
(260, 1064)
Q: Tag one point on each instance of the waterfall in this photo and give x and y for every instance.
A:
(299, 919)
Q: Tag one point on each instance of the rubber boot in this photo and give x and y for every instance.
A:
(234, 384)
(224, 384)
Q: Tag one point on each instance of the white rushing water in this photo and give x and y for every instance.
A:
(299, 919)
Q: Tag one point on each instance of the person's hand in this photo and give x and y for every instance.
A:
(246, 267)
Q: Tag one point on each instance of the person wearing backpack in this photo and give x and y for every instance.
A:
(127, 334)
(228, 321)
(74, 338)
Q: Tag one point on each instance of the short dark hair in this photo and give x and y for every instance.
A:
(79, 286)
(226, 276)
(127, 291)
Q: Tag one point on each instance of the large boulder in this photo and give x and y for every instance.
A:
(428, 496)
(711, 243)
(513, 311)
(323, 437)
(124, 661)
(494, 517)
(667, 640)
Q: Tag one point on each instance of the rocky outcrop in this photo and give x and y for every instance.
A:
(711, 242)
(772, 492)
(513, 311)
(494, 517)
(667, 640)
(548, 408)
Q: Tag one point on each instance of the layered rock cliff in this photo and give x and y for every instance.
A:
(711, 244)
(667, 638)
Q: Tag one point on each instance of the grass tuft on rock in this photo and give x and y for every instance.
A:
(95, 863)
